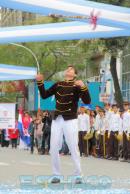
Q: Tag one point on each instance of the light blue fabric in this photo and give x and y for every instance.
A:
(59, 35)
(8, 76)
(45, 11)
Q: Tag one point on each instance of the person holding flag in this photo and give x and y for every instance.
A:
(23, 126)
(14, 134)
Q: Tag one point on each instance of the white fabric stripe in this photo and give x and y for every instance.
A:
(79, 9)
(17, 72)
(55, 31)
(3, 77)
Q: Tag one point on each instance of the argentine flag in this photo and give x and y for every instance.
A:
(24, 137)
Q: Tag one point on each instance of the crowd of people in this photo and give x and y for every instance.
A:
(40, 130)
(35, 132)
(9, 136)
(103, 133)
(107, 132)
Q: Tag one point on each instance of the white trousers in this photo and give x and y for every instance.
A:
(70, 130)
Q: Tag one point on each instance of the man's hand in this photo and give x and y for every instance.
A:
(79, 83)
(39, 77)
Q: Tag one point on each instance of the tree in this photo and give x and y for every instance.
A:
(114, 46)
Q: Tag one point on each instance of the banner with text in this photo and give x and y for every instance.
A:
(7, 115)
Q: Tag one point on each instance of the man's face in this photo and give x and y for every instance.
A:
(34, 118)
(115, 109)
(107, 107)
(101, 114)
(126, 107)
(26, 114)
(45, 113)
(70, 72)
(92, 113)
(97, 108)
(82, 110)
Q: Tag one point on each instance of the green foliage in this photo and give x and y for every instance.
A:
(49, 55)
(125, 3)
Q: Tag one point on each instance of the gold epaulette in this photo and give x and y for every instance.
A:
(84, 88)
(40, 83)
(110, 110)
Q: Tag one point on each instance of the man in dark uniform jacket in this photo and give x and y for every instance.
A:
(67, 94)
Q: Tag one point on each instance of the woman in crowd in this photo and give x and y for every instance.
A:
(39, 133)
(14, 134)
(47, 120)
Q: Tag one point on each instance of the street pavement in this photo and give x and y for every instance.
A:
(15, 163)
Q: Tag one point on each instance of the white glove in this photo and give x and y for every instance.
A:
(98, 132)
(109, 133)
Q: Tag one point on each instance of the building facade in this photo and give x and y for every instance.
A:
(123, 71)
(10, 17)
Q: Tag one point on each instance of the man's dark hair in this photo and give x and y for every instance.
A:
(76, 72)
(114, 105)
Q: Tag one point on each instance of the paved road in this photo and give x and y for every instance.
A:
(14, 163)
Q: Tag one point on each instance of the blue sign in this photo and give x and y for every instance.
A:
(94, 89)
(45, 104)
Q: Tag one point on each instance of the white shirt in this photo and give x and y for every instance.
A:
(115, 122)
(101, 125)
(126, 121)
(96, 121)
(108, 115)
(84, 122)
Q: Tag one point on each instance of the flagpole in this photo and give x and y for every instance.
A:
(37, 63)
(29, 50)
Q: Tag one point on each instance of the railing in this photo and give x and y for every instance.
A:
(94, 79)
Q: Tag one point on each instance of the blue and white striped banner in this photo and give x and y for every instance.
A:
(109, 15)
(112, 21)
(59, 31)
(10, 72)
